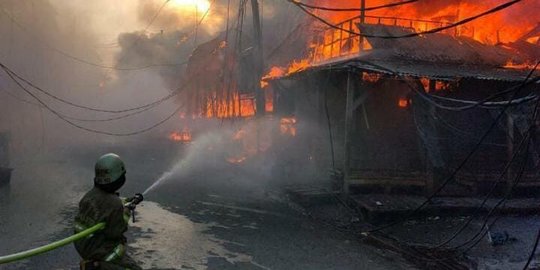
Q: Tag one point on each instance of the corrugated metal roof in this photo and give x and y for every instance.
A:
(441, 71)
(430, 70)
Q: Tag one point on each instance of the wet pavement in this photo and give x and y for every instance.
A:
(216, 216)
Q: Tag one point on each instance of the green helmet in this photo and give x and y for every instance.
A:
(109, 168)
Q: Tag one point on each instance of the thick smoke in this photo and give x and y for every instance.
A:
(61, 46)
(254, 153)
(175, 33)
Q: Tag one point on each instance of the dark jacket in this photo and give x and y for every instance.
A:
(95, 207)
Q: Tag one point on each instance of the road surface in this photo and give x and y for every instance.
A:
(210, 217)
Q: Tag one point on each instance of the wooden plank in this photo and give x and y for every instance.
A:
(386, 182)
(349, 118)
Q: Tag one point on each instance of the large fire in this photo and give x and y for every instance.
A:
(237, 105)
(504, 26)
(501, 27)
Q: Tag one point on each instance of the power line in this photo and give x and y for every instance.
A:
(533, 251)
(156, 15)
(432, 31)
(82, 119)
(464, 161)
(356, 9)
(516, 182)
(476, 239)
(134, 110)
(83, 106)
(492, 190)
(491, 105)
(113, 118)
(22, 100)
(526, 138)
(508, 193)
(484, 103)
(116, 44)
(90, 129)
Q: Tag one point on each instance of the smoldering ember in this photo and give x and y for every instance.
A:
(269, 134)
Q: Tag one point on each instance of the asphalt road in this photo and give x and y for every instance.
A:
(207, 215)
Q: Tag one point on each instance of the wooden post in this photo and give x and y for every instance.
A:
(258, 61)
(258, 57)
(510, 149)
(362, 11)
(362, 20)
(349, 116)
(434, 179)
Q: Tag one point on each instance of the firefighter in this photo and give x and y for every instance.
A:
(105, 249)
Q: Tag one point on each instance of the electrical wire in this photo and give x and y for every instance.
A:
(531, 256)
(357, 9)
(22, 100)
(487, 104)
(484, 103)
(113, 118)
(476, 104)
(509, 192)
(482, 232)
(7, 69)
(463, 162)
(479, 208)
(156, 15)
(140, 131)
(83, 119)
(416, 34)
(67, 119)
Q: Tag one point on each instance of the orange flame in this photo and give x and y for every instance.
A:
(287, 126)
(504, 26)
(371, 77)
(403, 103)
(182, 136)
(512, 65)
(238, 106)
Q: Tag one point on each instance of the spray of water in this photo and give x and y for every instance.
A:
(197, 155)
(162, 178)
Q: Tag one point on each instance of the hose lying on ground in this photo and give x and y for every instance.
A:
(46, 248)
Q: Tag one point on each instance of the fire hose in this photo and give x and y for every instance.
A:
(131, 204)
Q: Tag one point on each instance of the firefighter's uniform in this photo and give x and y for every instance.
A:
(105, 249)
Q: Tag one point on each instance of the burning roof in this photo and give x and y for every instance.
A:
(440, 48)
(489, 47)
(437, 56)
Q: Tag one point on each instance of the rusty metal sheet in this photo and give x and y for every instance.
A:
(431, 70)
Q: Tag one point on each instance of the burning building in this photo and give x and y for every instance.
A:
(403, 113)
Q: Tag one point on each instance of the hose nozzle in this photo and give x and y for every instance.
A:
(134, 201)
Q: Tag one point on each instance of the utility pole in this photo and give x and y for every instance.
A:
(258, 58)
(258, 63)
(362, 21)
